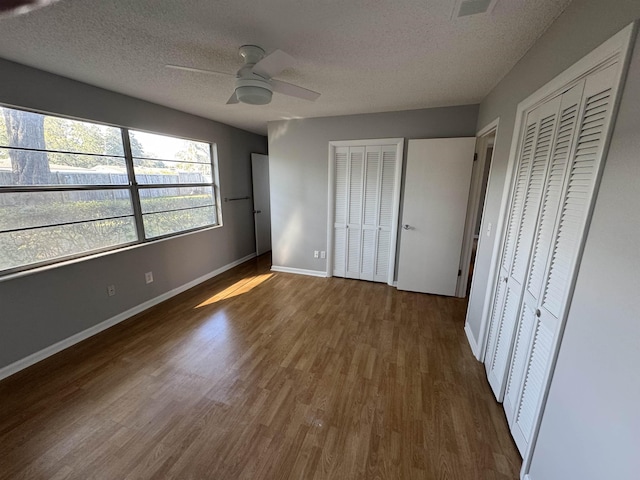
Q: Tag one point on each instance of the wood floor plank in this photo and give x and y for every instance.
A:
(263, 375)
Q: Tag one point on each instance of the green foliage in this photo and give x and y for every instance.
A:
(4, 138)
(27, 247)
(72, 136)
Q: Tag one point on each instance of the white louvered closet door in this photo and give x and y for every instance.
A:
(354, 211)
(503, 296)
(517, 248)
(370, 212)
(385, 211)
(341, 168)
(562, 145)
(548, 294)
(365, 183)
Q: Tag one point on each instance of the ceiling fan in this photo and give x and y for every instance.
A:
(254, 81)
(18, 7)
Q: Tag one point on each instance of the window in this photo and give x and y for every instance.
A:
(69, 188)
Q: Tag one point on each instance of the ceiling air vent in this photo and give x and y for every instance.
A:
(464, 8)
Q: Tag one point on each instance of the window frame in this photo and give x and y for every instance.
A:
(132, 186)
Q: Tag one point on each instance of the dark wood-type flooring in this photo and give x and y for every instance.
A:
(257, 375)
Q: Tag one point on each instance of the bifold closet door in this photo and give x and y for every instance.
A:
(530, 179)
(562, 147)
(557, 250)
(347, 228)
(377, 214)
(365, 182)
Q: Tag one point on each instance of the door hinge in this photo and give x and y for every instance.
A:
(475, 157)
(459, 272)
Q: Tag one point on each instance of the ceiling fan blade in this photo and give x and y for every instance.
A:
(233, 99)
(273, 64)
(199, 70)
(294, 90)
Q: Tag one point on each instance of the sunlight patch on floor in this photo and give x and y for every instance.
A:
(243, 286)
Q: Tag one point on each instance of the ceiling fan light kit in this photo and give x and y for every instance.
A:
(253, 92)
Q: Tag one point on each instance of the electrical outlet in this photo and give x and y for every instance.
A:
(316, 254)
(148, 277)
(111, 290)
(323, 254)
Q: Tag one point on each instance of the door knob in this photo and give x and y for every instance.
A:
(406, 227)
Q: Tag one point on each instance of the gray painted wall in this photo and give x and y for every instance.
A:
(298, 160)
(591, 422)
(44, 307)
(583, 26)
(591, 426)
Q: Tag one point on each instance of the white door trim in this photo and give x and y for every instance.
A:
(617, 48)
(474, 203)
(399, 143)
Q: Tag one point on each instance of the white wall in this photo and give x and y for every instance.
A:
(298, 162)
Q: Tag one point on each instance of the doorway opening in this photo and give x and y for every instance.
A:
(473, 226)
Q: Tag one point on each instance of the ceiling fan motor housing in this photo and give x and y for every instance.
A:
(252, 88)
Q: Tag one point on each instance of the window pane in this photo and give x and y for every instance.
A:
(171, 172)
(61, 169)
(165, 223)
(161, 147)
(39, 209)
(171, 199)
(45, 132)
(27, 247)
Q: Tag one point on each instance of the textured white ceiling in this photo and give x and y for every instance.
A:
(362, 55)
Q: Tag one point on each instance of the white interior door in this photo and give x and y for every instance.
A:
(261, 202)
(434, 209)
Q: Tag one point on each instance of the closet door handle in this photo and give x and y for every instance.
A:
(538, 312)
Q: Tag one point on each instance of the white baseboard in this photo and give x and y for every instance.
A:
(299, 271)
(89, 332)
(472, 341)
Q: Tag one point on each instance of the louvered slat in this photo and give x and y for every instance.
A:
(551, 199)
(371, 187)
(355, 186)
(575, 205)
(520, 355)
(382, 260)
(339, 239)
(534, 379)
(340, 204)
(353, 252)
(518, 195)
(532, 197)
(494, 323)
(387, 187)
(368, 254)
(504, 332)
